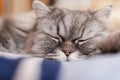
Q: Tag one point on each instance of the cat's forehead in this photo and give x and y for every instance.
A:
(70, 15)
(70, 22)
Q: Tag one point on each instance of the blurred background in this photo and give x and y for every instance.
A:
(20, 6)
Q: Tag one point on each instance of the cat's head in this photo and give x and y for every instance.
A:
(66, 34)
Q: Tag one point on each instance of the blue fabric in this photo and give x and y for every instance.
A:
(50, 70)
(96, 68)
(7, 68)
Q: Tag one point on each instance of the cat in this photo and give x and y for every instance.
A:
(111, 43)
(58, 34)
(67, 35)
(14, 30)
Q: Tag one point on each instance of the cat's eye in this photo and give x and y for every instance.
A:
(76, 41)
(80, 42)
(55, 39)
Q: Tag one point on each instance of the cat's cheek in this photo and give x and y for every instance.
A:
(61, 56)
(36, 49)
(77, 56)
(74, 56)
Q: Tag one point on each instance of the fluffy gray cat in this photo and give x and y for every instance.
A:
(59, 34)
(64, 34)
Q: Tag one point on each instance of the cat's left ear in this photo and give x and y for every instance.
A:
(40, 8)
(103, 14)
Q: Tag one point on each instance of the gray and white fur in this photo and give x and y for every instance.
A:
(61, 34)
(64, 34)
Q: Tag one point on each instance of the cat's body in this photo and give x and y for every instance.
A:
(64, 34)
(14, 30)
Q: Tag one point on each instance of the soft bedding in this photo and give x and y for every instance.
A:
(19, 67)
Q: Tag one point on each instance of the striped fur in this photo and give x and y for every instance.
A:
(14, 29)
(56, 33)
(67, 35)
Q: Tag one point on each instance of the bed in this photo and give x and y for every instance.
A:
(20, 67)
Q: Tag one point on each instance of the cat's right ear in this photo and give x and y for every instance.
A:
(40, 8)
(103, 14)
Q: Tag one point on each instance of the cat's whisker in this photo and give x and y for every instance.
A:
(95, 53)
(83, 57)
(52, 54)
(52, 58)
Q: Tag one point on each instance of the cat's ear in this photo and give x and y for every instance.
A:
(40, 8)
(103, 14)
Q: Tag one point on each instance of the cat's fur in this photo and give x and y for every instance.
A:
(14, 30)
(111, 44)
(62, 34)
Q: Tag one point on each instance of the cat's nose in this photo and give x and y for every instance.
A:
(67, 52)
